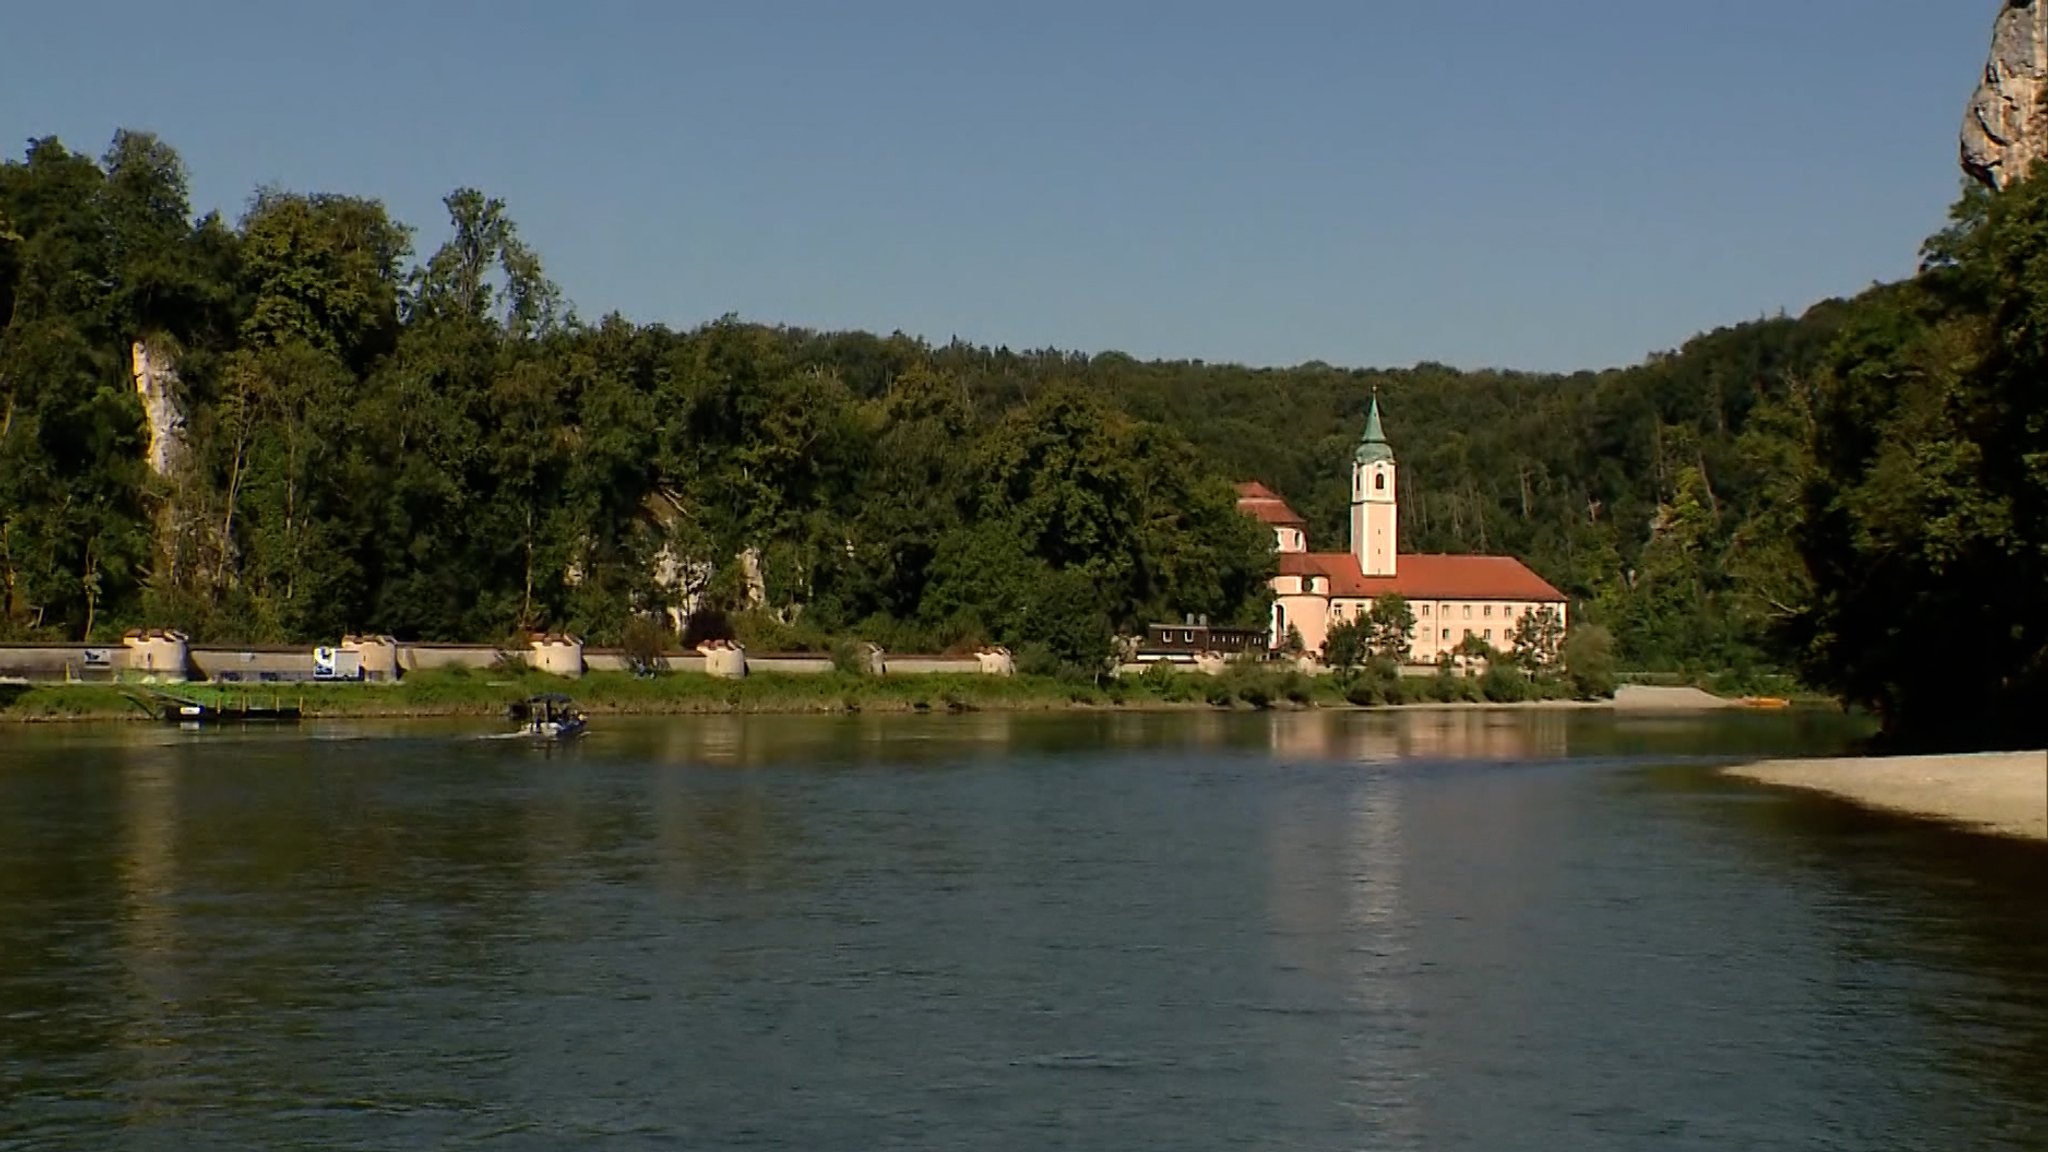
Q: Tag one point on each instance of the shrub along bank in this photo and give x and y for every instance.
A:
(462, 692)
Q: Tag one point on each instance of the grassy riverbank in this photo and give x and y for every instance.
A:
(458, 692)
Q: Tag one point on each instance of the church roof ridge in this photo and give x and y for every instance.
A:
(1427, 576)
(1267, 506)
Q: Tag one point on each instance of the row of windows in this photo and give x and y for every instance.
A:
(1337, 611)
(1486, 611)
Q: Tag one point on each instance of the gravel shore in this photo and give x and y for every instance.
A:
(2005, 793)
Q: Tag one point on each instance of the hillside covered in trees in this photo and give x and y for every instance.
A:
(436, 446)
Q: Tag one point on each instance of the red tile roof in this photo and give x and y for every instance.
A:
(1265, 505)
(1426, 577)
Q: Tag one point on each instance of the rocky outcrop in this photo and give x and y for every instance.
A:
(2006, 130)
(156, 382)
(755, 580)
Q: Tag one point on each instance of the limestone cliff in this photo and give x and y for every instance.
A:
(156, 382)
(2006, 130)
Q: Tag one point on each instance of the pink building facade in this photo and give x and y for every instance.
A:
(1453, 597)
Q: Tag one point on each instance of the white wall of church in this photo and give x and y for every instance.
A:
(1440, 625)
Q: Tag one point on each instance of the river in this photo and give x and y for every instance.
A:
(1462, 930)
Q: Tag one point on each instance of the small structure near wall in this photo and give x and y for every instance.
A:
(995, 662)
(337, 664)
(724, 659)
(376, 656)
(1308, 664)
(1188, 641)
(159, 655)
(557, 654)
(871, 659)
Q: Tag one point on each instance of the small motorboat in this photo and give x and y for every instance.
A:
(549, 716)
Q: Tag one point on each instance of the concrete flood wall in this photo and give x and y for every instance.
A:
(790, 664)
(233, 665)
(61, 662)
(424, 657)
(935, 666)
(616, 660)
(167, 657)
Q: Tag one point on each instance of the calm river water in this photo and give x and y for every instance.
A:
(1323, 931)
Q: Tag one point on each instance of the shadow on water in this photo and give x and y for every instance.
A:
(1952, 923)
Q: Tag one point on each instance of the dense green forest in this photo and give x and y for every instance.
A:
(378, 436)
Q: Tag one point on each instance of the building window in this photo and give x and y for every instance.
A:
(1489, 633)
(1489, 611)
(1425, 610)
(1447, 633)
(1379, 482)
(1468, 615)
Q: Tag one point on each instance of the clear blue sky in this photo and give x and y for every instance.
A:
(1540, 184)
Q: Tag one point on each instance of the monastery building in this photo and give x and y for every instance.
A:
(1452, 596)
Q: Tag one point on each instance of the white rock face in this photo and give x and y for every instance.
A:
(2006, 130)
(156, 381)
(757, 583)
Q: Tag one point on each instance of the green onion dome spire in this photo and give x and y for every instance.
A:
(1373, 447)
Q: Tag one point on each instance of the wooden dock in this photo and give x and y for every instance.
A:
(182, 710)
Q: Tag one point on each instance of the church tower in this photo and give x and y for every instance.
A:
(1374, 505)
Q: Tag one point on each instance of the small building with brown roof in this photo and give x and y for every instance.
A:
(1453, 597)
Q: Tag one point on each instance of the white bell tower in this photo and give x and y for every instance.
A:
(1375, 503)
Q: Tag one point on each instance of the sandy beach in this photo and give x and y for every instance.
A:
(2005, 793)
(1645, 698)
